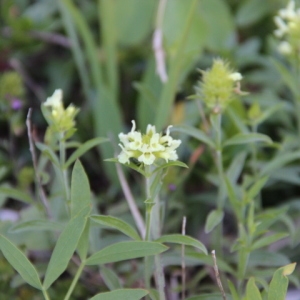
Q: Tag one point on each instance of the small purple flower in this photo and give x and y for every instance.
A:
(16, 104)
(172, 187)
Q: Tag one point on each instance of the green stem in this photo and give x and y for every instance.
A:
(62, 156)
(218, 234)
(153, 230)
(46, 296)
(219, 162)
(73, 284)
(254, 166)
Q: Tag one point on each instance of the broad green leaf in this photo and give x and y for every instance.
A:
(37, 225)
(279, 283)
(46, 150)
(122, 294)
(214, 218)
(110, 278)
(251, 11)
(20, 262)
(279, 161)
(266, 241)
(116, 223)
(246, 138)
(65, 247)
(80, 189)
(183, 240)
(219, 23)
(130, 13)
(84, 148)
(257, 187)
(154, 294)
(15, 194)
(125, 250)
(252, 291)
(194, 132)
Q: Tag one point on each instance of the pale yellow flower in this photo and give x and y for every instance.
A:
(149, 147)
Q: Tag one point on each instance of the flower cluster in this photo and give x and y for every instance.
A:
(146, 148)
(218, 85)
(61, 119)
(288, 29)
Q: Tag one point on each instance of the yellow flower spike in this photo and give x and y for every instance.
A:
(149, 147)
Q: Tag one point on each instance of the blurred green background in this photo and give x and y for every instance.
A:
(100, 53)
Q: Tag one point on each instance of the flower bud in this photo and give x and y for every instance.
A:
(218, 86)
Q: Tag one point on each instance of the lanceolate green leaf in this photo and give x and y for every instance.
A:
(122, 294)
(252, 291)
(265, 241)
(20, 262)
(118, 224)
(65, 247)
(15, 194)
(130, 165)
(84, 148)
(256, 188)
(183, 240)
(37, 225)
(214, 218)
(194, 132)
(80, 189)
(279, 283)
(170, 164)
(110, 278)
(279, 161)
(125, 250)
(83, 244)
(246, 138)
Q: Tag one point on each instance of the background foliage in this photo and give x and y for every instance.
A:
(100, 53)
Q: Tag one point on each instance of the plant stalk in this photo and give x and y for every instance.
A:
(73, 284)
(62, 156)
(153, 231)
